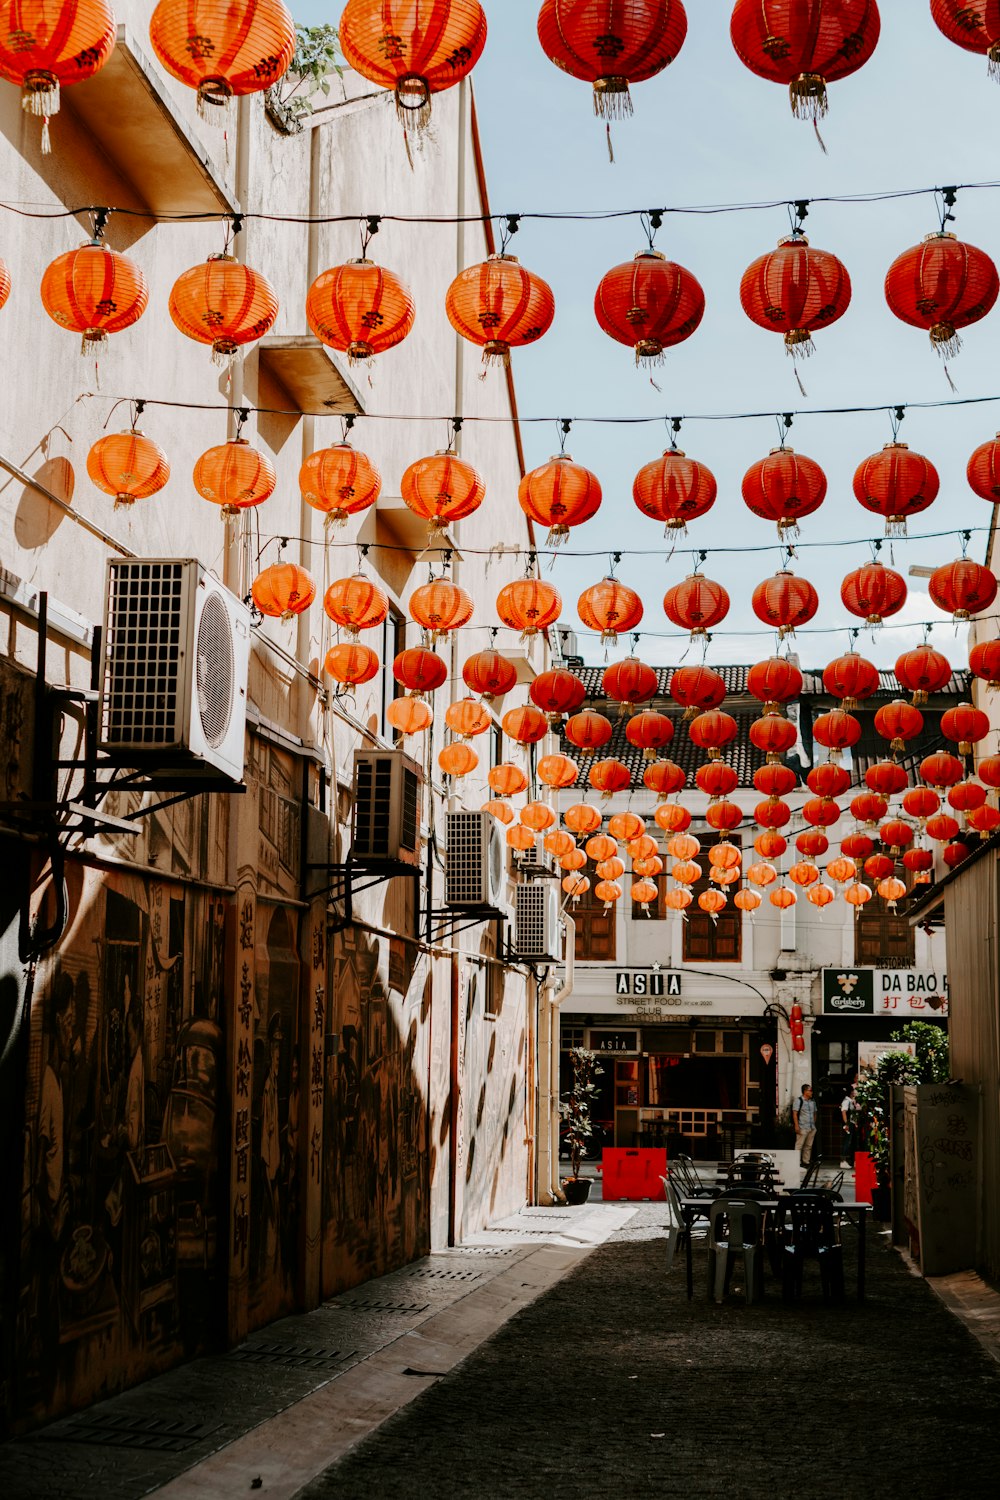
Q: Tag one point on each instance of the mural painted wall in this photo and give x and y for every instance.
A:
(124, 1090)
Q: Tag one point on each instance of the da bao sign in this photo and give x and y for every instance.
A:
(884, 992)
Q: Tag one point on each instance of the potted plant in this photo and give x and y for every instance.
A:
(575, 1109)
(874, 1098)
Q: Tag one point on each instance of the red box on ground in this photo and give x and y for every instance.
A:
(634, 1173)
(864, 1177)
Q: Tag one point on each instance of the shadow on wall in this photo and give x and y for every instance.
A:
(36, 519)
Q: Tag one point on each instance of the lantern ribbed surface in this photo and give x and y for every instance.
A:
(529, 605)
(696, 603)
(235, 476)
(805, 44)
(983, 470)
(489, 674)
(649, 304)
(923, 671)
(796, 290)
(414, 47)
(873, 593)
(610, 608)
(441, 606)
(339, 481)
(942, 285)
(774, 681)
(360, 309)
(972, 24)
(442, 488)
(611, 44)
(128, 465)
(851, 678)
(784, 487)
(697, 688)
(419, 670)
(356, 603)
(963, 588)
(352, 664)
(557, 692)
(223, 48)
(896, 483)
(94, 291)
(45, 44)
(785, 602)
(674, 490)
(4, 283)
(560, 494)
(283, 590)
(500, 306)
(527, 724)
(223, 303)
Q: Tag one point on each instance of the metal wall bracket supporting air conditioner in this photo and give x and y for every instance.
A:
(353, 877)
(47, 813)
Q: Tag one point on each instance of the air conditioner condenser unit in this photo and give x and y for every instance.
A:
(537, 927)
(387, 792)
(476, 866)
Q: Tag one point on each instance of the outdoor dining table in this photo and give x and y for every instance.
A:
(850, 1209)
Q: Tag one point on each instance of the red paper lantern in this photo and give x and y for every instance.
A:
(921, 803)
(440, 607)
(507, 780)
(963, 588)
(356, 604)
(873, 593)
(665, 778)
(489, 674)
(784, 487)
(796, 290)
(773, 780)
(223, 303)
(942, 285)
(234, 476)
(896, 483)
(560, 494)
(419, 670)
(985, 820)
(984, 661)
(774, 813)
(965, 726)
(805, 45)
(558, 771)
(468, 718)
(48, 44)
(242, 47)
(283, 591)
(869, 808)
(828, 780)
(822, 812)
(498, 305)
(610, 608)
(649, 732)
(441, 489)
(359, 308)
(612, 46)
(352, 664)
(896, 836)
(919, 862)
(697, 689)
(724, 817)
(675, 489)
(696, 604)
(954, 854)
(712, 731)
(774, 735)
(989, 770)
(456, 760)
(887, 777)
(774, 682)
(527, 725)
(972, 24)
(717, 779)
(630, 682)
(785, 602)
(899, 722)
(923, 671)
(879, 867)
(770, 844)
(967, 796)
(609, 777)
(588, 731)
(851, 679)
(557, 693)
(812, 844)
(415, 50)
(942, 828)
(983, 472)
(941, 769)
(340, 482)
(857, 846)
(129, 466)
(94, 291)
(529, 605)
(650, 304)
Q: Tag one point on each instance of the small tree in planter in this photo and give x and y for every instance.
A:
(575, 1109)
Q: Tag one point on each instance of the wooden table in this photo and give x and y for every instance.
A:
(855, 1212)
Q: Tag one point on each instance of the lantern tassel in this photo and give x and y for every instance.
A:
(946, 340)
(124, 502)
(557, 535)
(611, 148)
(799, 344)
(798, 382)
(993, 62)
(895, 526)
(612, 100)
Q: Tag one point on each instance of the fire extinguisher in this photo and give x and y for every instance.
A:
(795, 1026)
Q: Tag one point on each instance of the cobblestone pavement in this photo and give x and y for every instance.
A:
(612, 1384)
(125, 1447)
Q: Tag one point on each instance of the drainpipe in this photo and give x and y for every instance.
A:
(557, 998)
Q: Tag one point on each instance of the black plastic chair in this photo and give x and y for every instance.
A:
(807, 1229)
(690, 1181)
(812, 1175)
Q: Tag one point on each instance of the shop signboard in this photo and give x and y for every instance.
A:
(620, 1042)
(870, 1054)
(885, 992)
(651, 984)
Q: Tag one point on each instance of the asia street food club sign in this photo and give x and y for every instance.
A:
(884, 992)
(655, 984)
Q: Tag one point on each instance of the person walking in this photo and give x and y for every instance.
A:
(804, 1117)
(849, 1115)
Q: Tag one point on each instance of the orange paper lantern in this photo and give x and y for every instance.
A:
(420, 671)
(356, 604)
(498, 305)
(467, 718)
(558, 771)
(529, 605)
(649, 304)
(94, 291)
(414, 49)
(507, 780)
(456, 760)
(489, 674)
(675, 489)
(129, 466)
(440, 607)
(526, 725)
(223, 303)
(560, 494)
(409, 715)
(283, 591)
(339, 481)
(234, 476)
(442, 489)
(610, 608)
(352, 664)
(46, 44)
(359, 308)
(223, 48)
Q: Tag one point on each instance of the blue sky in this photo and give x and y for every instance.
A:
(707, 131)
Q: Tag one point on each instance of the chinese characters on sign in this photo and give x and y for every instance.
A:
(884, 992)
